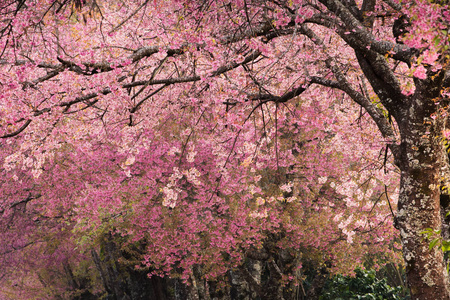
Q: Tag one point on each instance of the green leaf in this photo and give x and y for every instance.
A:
(436, 40)
(434, 243)
(426, 231)
(445, 246)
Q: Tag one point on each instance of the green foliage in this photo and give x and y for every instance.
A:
(435, 238)
(364, 286)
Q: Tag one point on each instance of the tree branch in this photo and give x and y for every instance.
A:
(360, 38)
(18, 131)
(375, 112)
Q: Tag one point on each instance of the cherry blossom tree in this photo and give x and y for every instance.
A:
(205, 127)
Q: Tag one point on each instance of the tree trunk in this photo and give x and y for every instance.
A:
(419, 200)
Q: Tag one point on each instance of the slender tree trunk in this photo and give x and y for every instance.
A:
(419, 201)
(193, 289)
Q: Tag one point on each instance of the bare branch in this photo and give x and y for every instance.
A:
(375, 112)
(130, 16)
(393, 4)
(18, 131)
(359, 37)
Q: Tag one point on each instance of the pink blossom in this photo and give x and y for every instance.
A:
(420, 72)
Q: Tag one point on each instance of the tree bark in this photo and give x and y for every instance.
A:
(419, 199)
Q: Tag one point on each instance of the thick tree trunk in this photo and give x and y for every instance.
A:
(419, 203)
